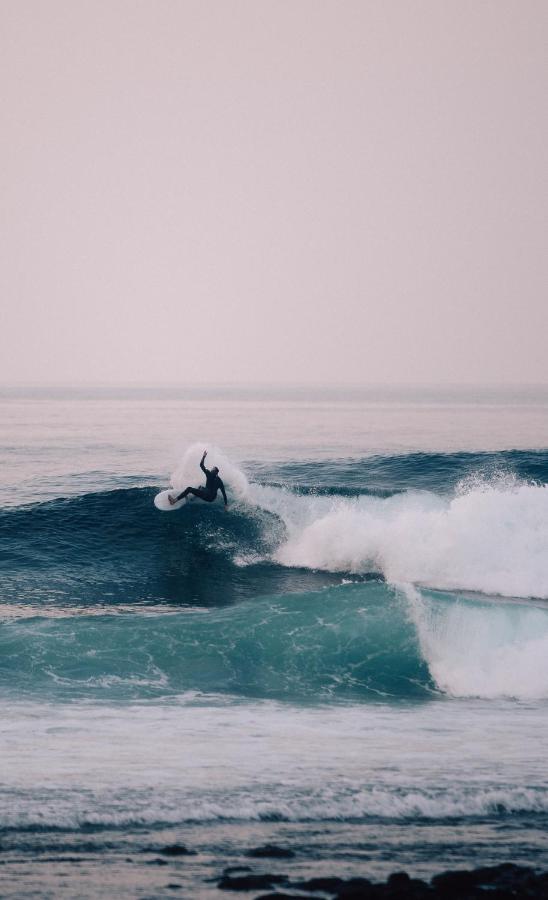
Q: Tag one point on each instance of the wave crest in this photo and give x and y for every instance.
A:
(489, 538)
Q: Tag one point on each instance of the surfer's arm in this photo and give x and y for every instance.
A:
(223, 492)
(202, 467)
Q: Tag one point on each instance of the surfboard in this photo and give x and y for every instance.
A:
(161, 500)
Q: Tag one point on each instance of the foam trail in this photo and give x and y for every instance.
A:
(480, 650)
(491, 536)
(489, 539)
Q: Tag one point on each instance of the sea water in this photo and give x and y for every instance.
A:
(351, 662)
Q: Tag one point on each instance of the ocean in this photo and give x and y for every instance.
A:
(351, 663)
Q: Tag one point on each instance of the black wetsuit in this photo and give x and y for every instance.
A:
(209, 491)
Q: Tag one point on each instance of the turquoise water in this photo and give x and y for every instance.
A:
(351, 661)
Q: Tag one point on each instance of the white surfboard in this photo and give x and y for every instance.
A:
(161, 500)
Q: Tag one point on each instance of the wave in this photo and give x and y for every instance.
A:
(440, 473)
(357, 642)
(72, 810)
(481, 649)
(492, 538)
(310, 646)
(488, 534)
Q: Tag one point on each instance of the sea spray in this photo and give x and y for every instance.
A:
(490, 535)
(188, 471)
(479, 648)
(490, 538)
(114, 546)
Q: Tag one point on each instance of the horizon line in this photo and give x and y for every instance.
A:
(276, 385)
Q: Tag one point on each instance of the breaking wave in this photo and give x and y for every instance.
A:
(357, 642)
(486, 534)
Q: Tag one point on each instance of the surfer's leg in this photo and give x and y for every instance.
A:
(197, 492)
(185, 493)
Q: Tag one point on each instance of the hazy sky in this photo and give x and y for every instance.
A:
(274, 190)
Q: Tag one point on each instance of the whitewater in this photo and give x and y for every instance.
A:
(352, 661)
(491, 535)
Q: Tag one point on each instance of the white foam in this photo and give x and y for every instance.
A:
(150, 763)
(74, 811)
(500, 650)
(188, 471)
(491, 536)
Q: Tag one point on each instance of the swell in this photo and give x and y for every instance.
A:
(489, 533)
(388, 474)
(357, 642)
(115, 547)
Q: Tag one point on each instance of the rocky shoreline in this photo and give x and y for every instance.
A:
(502, 882)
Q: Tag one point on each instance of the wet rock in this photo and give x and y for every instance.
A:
(503, 882)
(454, 884)
(176, 850)
(272, 851)
(348, 888)
(326, 884)
(360, 889)
(251, 882)
(506, 875)
(281, 896)
(401, 887)
(364, 890)
(507, 878)
(399, 881)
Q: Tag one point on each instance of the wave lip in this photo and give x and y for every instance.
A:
(489, 534)
(481, 649)
(360, 641)
(489, 538)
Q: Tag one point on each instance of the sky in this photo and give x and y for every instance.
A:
(282, 191)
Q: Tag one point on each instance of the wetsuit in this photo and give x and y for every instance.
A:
(209, 491)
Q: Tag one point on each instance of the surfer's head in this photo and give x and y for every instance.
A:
(215, 470)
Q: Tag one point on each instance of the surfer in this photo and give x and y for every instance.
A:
(209, 491)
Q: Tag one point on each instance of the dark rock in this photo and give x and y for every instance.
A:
(457, 884)
(176, 850)
(419, 890)
(503, 882)
(349, 889)
(280, 896)
(505, 878)
(503, 875)
(250, 882)
(270, 850)
(401, 887)
(326, 884)
(359, 889)
(232, 869)
(399, 881)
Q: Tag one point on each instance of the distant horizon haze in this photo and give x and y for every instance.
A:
(395, 389)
